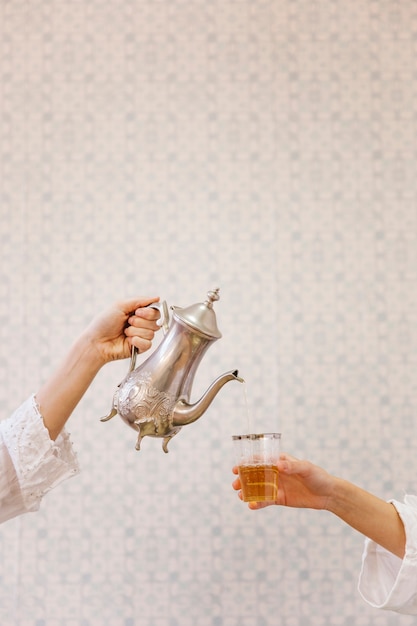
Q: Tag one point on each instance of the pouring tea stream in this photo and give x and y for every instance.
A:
(154, 398)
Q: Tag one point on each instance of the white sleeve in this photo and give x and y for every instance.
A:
(30, 462)
(386, 581)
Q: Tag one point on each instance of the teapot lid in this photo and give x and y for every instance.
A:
(201, 316)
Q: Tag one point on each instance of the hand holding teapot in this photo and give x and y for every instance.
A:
(154, 398)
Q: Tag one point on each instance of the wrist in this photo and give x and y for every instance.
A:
(337, 495)
(87, 350)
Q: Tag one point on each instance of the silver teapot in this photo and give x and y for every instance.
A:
(154, 398)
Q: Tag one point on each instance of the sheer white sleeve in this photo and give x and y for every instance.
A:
(386, 581)
(30, 462)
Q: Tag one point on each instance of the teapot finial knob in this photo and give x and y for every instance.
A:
(212, 295)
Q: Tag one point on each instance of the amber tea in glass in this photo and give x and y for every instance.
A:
(259, 483)
(256, 458)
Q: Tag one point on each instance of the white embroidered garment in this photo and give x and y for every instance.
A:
(386, 581)
(30, 462)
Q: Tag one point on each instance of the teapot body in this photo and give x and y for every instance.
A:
(149, 394)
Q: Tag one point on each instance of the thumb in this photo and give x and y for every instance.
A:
(129, 306)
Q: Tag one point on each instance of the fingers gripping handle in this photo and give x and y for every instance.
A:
(163, 321)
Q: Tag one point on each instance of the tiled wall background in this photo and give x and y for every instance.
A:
(167, 147)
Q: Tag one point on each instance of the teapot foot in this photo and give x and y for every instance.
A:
(165, 444)
(108, 417)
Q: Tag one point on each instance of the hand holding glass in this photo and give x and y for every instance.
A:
(256, 458)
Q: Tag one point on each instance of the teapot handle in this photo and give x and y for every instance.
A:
(163, 321)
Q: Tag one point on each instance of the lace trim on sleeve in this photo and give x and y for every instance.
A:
(40, 463)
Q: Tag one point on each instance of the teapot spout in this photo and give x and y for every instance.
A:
(185, 413)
